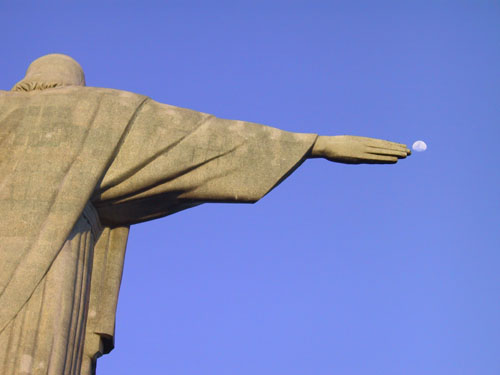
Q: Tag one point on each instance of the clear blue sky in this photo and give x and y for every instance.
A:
(341, 269)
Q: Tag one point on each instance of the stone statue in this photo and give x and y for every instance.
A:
(79, 165)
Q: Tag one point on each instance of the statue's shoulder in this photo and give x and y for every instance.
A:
(8, 98)
(98, 93)
(89, 90)
(72, 96)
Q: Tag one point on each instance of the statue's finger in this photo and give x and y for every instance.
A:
(388, 152)
(381, 159)
(386, 144)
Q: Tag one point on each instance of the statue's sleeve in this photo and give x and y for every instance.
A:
(174, 158)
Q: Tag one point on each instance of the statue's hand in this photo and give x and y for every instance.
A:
(350, 149)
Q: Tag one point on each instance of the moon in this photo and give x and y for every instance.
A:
(419, 146)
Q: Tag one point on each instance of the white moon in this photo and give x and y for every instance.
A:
(419, 146)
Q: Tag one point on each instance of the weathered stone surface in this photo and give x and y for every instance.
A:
(79, 165)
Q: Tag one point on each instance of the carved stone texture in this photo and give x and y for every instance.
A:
(79, 165)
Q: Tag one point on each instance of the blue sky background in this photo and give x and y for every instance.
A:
(341, 269)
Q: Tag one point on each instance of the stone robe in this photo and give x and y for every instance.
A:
(78, 166)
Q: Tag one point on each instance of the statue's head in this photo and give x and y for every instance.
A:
(54, 70)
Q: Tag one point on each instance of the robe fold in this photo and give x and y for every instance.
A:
(78, 166)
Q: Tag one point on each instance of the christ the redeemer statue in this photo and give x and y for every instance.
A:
(79, 165)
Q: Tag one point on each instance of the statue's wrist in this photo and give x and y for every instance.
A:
(318, 149)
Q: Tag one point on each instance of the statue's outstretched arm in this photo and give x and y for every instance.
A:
(350, 149)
